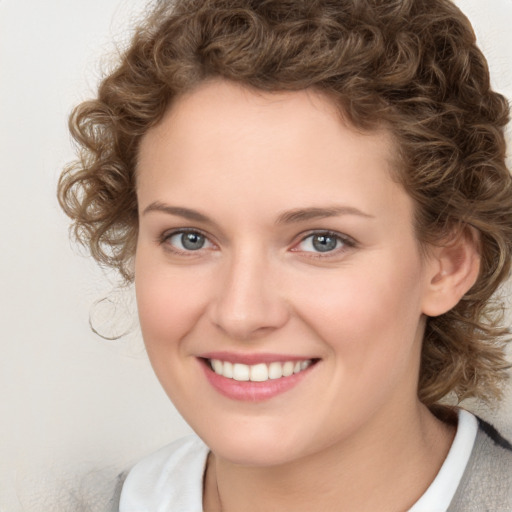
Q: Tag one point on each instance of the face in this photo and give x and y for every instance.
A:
(278, 278)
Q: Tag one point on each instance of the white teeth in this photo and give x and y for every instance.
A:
(260, 372)
(241, 372)
(288, 368)
(275, 370)
(227, 369)
(217, 366)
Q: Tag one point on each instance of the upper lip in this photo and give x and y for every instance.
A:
(253, 358)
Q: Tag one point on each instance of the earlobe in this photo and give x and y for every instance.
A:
(453, 269)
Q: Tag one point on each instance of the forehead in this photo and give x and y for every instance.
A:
(219, 99)
(288, 147)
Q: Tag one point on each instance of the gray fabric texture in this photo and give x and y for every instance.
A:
(486, 485)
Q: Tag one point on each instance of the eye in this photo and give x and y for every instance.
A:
(323, 242)
(187, 241)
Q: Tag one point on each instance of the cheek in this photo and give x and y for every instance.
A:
(169, 303)
(372, 326)
(368, 313)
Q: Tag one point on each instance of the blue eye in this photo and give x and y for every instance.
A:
(321, 242)
(188, 241)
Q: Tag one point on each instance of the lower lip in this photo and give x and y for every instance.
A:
(249, 391)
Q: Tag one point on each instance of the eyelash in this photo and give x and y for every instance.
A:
(166, 236)
(346, 244)
(346, 241)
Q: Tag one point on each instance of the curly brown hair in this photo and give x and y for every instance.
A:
(412, 65)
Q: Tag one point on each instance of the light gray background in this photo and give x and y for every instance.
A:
(74, 409)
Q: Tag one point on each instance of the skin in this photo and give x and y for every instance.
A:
(352, 434)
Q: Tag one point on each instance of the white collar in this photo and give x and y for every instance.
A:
(439, 495)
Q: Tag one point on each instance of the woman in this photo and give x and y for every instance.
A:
(312, 200)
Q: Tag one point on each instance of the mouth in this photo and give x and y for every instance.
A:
(256, 377)
(260, 372)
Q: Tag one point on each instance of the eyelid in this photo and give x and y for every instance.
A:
(168, 234)
(347, 241)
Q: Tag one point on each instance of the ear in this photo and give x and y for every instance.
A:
(452, 269)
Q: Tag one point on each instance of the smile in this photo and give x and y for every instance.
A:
(260, 372)
(255, 377)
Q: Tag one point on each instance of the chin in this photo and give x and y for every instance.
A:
(256, 448)
(253, 456)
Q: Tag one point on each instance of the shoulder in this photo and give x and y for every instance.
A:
(487, 480)
(170, 479)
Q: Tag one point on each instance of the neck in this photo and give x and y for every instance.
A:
(386, 467)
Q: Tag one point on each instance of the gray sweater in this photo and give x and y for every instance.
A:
(486, 485)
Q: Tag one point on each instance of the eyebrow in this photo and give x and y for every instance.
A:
(304, 214)
(186, 213)
(288, 217)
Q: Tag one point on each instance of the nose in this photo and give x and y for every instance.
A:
(248, 303)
